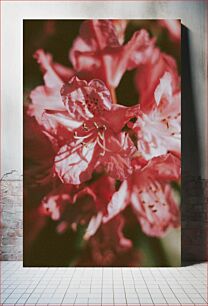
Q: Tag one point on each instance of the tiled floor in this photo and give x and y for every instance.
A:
(98, 286)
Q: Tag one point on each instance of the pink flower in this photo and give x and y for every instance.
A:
(73, 205)
(47, 106)
(158, 128)
(99, 140)
(149, 192)
(98, 51)
(149, 74)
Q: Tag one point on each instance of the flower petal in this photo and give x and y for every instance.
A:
(120, 27)
(121, 58)
(166, 167)
(50, 77)
(75, 162)
(99, 53)
(139, 49)
(164, 89)
(47, 98)
(93, 226)
(149, 74)
(84, 100)
(94, 35)
(156, 212)
(119, 115)
(152, 197)
(119, 201)
(159, 130)
(118, 156)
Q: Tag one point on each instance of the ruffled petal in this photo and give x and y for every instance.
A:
(98, 51)
(118, 155)
(94, 35)
(47, 106)
(166, 167)
(152, 197)
(139, 49)
(164, 89)
(47, 98)
(57, 124)
(85, 100)
(119, 59)
(159, 130)
(157, 210)
(149, 74)
(74, 163)
(51, 79)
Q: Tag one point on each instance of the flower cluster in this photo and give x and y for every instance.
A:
(107, 157)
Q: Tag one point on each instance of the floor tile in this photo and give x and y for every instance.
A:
(119, 286)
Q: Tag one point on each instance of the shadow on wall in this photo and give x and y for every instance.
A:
(194, 188)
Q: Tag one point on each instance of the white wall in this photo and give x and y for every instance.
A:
(192, 14)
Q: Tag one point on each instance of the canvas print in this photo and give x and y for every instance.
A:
(102, 143)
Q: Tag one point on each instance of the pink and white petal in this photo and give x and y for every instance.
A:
(98, 51)
(93, 226)
(156, 211)
(119, 201)
(104, 103)
(75, 163)
(99, 34)
(74, 98)
(121, 58)
(79, 47)
(50, 77)
(47, 98)
(90, 66)
(164, 216)
(153, 138)
(164, 89)
(139, 49)
(149, 74)
(173, 201)
(159, 130)
(56, 119)
(94, 36)
(86, 100)
(118, 155)
(120, 28)
(65, 73)
(166, 167)
(117, 166)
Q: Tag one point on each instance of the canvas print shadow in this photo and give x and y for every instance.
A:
(193, 234)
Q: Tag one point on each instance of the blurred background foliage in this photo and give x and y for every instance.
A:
(49, 248)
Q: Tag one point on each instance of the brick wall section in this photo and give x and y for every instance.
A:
(194, 220)
(194, 235)
(11, 220)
